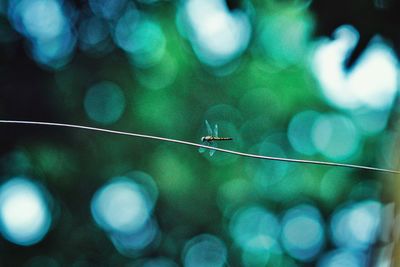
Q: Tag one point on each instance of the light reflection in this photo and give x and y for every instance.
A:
(371, 83)
(39, 19)
(303, 232)
(341, 258)
(217, 35)
(54, 53)
(300, 132)
(145, 181)
(129, 244)
(356, 225)
(121, 206)
(104, 102)
(204, 251)
(255, 229)
(24, 213)
(370, 121)
(45, 24)
(335, 136)
(141, 37)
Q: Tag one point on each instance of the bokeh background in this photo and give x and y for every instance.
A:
(295, 78)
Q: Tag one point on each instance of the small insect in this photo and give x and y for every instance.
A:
(211, 137)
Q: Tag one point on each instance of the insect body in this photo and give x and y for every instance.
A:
(214, 138)
(211, 138)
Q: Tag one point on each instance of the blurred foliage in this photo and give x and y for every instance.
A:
(160, 68)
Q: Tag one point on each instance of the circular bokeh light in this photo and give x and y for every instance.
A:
(300, 132)
(206, 251)
(121, 206)
(356, 225)
(255, 229)
(303, 232)
(104, 102)
(24, 213)
(341, 258)
(335, 136)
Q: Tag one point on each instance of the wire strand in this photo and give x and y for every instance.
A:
(333, 164)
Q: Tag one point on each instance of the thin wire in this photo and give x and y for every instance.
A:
(334, 164)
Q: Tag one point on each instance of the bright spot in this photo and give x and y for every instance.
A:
(145, 181)
(255, 229)
(142, 38)
(121, 206)
(56, 52)
(129, 244)
(217, 35)
(104, 102)
(342, 258)
(303, 232)
(356, 226)
(47, 27)
(371, 83)
(24, 214)
(204, 251)
(38, 19)
(335, 136)
(300, 132)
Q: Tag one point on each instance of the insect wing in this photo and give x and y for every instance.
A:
(202, 149)
(209, 130)
(212, 151)
(216, 130)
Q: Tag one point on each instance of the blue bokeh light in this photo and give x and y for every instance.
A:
(54, 53)
(217, 35)
(335, 136)
(300, 132)
(121, 206)
(141, 37)
(129, 244)
(107, 9)
(24, 213)
(303, 232)
(356, 225)
(46, 26)
(104, 102)
(94, 36)
(342, 258)
(206, 251)
(255, 229)
(38, 19)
